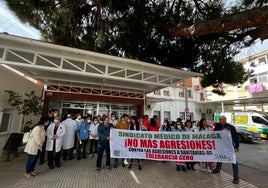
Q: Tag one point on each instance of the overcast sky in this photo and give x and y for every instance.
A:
(10, 24)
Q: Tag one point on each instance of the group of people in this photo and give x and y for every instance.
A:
(61, 138)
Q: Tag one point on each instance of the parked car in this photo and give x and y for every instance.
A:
(248, 136)
(243, 135)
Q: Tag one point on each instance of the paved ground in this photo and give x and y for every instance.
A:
(82, 174)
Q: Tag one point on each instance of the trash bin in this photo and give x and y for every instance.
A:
(13, 143)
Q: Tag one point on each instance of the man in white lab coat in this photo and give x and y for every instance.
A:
(68, 138)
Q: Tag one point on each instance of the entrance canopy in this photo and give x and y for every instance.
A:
(71, 68)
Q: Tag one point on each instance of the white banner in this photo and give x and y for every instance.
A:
(173, 146)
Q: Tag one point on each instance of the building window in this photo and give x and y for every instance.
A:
(5, 122)
(190, 93)
(166, 93)
(167, 115)
(158, 92)
(262, 61)
(181, 94)
(202, 98)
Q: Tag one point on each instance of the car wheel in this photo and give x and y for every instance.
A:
(240, 138)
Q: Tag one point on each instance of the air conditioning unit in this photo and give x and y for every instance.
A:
(196, 87)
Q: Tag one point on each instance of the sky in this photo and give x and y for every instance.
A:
(10, 23)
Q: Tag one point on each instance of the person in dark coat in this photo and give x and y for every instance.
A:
(222, 125)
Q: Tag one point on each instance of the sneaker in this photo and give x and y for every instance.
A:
(108, 167)
(97, 169)
(215, 171)
(235, 180)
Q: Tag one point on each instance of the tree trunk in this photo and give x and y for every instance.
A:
(256, 18)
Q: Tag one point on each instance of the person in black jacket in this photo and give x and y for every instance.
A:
(222, 125)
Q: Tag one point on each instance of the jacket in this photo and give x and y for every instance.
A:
(36, 141)
(50, 133)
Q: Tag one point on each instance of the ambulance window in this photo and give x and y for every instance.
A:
(257, 119)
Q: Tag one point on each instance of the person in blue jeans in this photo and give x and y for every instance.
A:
(222, 125)
(34, 146)
(104, 143)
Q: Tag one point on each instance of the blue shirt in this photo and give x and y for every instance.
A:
(83, 130)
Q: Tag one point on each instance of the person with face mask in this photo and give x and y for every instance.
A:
(166, 126)
(93, 137)
(55, 133)
(180, 165)
(34, 146)
(124, 125)
(113, 120)
(82, 133)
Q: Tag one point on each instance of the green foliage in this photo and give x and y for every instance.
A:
(29, 104)
(139, 29)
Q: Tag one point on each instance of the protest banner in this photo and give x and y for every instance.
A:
(173, 146)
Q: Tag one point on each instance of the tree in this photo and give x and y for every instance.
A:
(254, 19)
(30, 104)
(141, 29)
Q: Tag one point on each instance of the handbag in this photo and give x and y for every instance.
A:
(26, 137)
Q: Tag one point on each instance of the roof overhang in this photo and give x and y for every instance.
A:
(246, 101)
(54, 64)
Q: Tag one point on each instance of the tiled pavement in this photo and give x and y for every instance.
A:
(82, 174)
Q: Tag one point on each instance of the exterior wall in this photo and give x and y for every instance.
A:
(12, 81)
(172, 101)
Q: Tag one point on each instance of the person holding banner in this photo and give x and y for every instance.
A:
(189, 127)
(135, 126)
(180, 165)
(124, 125)
(222, 125)
(104, 144)
(203, 126)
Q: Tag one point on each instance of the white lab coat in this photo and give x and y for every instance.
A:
(50, 133)
(68, 138)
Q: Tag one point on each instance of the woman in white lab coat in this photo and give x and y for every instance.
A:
(55, 133)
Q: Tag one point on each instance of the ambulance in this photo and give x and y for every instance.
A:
(249, 120)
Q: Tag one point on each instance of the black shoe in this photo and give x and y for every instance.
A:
(51, 167)
(40, 163)
(178, 168)
(139, 166)
(84, 157)
(192, 167)
(58, 166)
(235, 180)
(65, 159)
(183, 169)
(123, 165)
(129, 167)
(79, 158)
(71, 158)
(115, 166)
(188, 167)
(215, 171)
